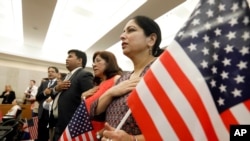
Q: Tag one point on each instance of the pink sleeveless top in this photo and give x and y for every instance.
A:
(102, 88)
(97, 125)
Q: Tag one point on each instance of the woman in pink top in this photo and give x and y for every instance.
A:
(106, 71)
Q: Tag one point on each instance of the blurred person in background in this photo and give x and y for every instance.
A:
(30, 97)
(30, 92)
(44, 91)
(47, 106)
(8, 95)
(12, 113)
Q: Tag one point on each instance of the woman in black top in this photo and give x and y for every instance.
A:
(8, 95)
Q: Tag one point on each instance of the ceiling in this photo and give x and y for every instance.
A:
(47, 29)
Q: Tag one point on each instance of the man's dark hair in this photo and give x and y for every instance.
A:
(55, 68)
(80, 55)
(33, 81)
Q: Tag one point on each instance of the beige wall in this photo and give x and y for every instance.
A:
(18, 71)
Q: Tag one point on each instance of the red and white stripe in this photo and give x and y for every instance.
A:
(33, 130)
(173, 102)
(88, 136)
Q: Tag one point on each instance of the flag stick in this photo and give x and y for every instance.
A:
(123, 120)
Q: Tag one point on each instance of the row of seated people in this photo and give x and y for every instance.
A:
(10, 120)
(15, 110)
(9, 125)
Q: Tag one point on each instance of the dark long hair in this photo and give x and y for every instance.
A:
(53, 67)
(149, 26)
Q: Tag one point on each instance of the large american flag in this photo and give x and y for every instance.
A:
(79, 127)
(33, 127)
(200, 85)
